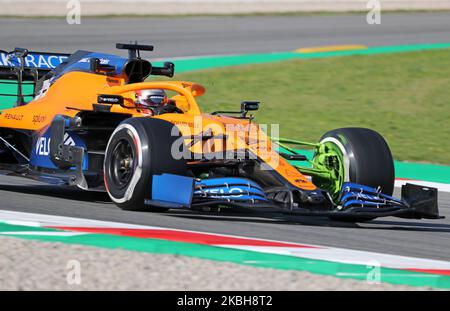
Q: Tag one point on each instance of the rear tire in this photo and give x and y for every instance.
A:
(138, 149)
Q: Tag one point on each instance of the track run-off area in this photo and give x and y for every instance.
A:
(406, 252)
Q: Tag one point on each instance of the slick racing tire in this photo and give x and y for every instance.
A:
(367, 160)
(138, 149)
(367, 157)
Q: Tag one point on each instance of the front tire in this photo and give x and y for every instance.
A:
(138, 149)
(363, 158)
(367, 159)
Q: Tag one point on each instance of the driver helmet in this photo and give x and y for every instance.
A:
(152, 98)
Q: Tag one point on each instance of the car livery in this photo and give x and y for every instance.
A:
(84, 127)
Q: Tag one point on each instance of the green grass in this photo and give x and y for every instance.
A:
(406, 97)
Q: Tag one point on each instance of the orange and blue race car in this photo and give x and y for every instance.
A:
(91, 120)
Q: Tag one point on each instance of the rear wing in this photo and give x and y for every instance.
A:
(34, 60)
(20, 71)
(36, 64)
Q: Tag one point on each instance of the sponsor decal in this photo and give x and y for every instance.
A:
(13, 116)
(110, 99)
(43, 144)
(40, 156)
(232, 192)
(39, 118)
(103, 61)
(34, 60)
(113, 81)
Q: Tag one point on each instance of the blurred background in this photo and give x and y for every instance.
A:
(157, 7)
(314, 64)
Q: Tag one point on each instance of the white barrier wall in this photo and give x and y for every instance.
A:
(159, 7)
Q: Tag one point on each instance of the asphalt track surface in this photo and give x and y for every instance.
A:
(418, 238)
(231, 35)
(189, 36)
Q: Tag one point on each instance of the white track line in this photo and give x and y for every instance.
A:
(349, 256)
(43, 220)
(44, 233)
(440, 186)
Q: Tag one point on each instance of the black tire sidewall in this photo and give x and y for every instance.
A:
(152, 143)
(123, 134)
(370, 161)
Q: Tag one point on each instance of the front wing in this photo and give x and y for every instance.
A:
(355, 201)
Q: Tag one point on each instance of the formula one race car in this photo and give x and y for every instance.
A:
(90, 120)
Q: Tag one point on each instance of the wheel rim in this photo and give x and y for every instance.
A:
(123, 163)
(330, 158)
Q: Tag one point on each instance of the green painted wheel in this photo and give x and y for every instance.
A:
(356, 155)
(330, 158)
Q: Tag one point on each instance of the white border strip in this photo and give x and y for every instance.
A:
(349, 256)
(44, 233)
(440, 186)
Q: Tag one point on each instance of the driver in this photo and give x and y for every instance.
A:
(155, 102)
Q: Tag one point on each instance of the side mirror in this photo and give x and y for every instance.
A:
(247, 106)
(167, 70)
